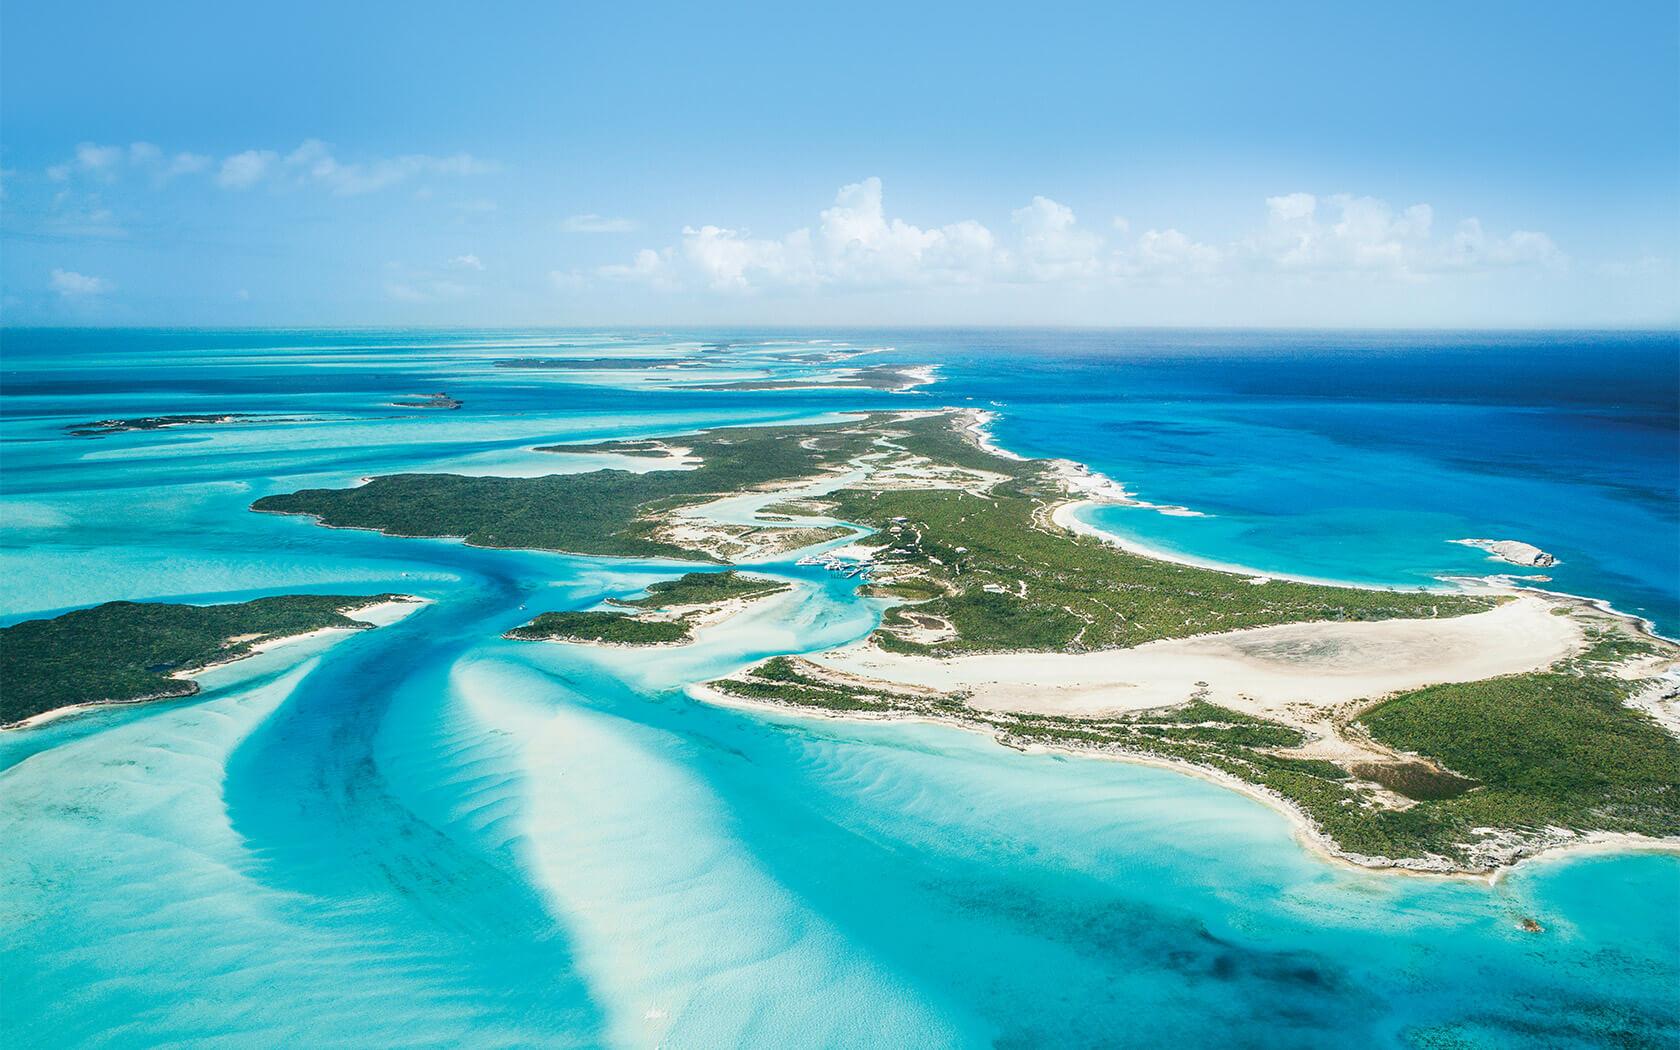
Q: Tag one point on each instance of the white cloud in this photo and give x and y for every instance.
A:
(99, 159)
(188, 164)
(90, 159)
(1053, 247)
(106, 163)
(72, 285)
(467, 262)
(244, 170)
(1170, 252)
(648, 265)
(854, 245)
(313, 162)
(589, 222)
(1364, 235)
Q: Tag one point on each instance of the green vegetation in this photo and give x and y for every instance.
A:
(1548, 749)
(604, 512)
(704, 588)
(126, 651)
(1521, 754)
(987, 572)
(597, 626)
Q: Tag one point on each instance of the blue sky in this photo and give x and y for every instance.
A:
(1496, 164)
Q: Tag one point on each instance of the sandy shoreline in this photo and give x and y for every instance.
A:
(1066, 515)
(1258, 670)
(1305, 832)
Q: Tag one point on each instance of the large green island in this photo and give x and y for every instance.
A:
(125, 652)
(1444, 729)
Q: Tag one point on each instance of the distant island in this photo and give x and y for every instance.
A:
(893, 378)
(118, 426)
(437, 400)
(1438, 730)
(591, 364)
(125, 652)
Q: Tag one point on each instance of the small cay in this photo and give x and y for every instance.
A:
(668, 615)
(1513, 552)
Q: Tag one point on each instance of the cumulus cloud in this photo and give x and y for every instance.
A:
(855, 244)
(1169, 253)
(313, 162)
(244, 170)
(106, 163)
(1053, 247)
(1348, 234)
(467, 262)
(589, 222)
(90, 159)
(72, 285)
(150, 158)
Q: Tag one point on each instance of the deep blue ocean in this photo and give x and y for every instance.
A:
(426, 835)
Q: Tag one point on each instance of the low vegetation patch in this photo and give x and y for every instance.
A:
(1414, 780)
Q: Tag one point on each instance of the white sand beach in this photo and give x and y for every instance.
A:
(1263, 671)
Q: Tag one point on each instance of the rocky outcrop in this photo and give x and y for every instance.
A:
(1515, 552)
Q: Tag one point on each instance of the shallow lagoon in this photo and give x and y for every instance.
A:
(426, 834)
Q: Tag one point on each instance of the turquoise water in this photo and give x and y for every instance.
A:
(426, 835)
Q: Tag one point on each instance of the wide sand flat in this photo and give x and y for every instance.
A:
(1259, 670)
